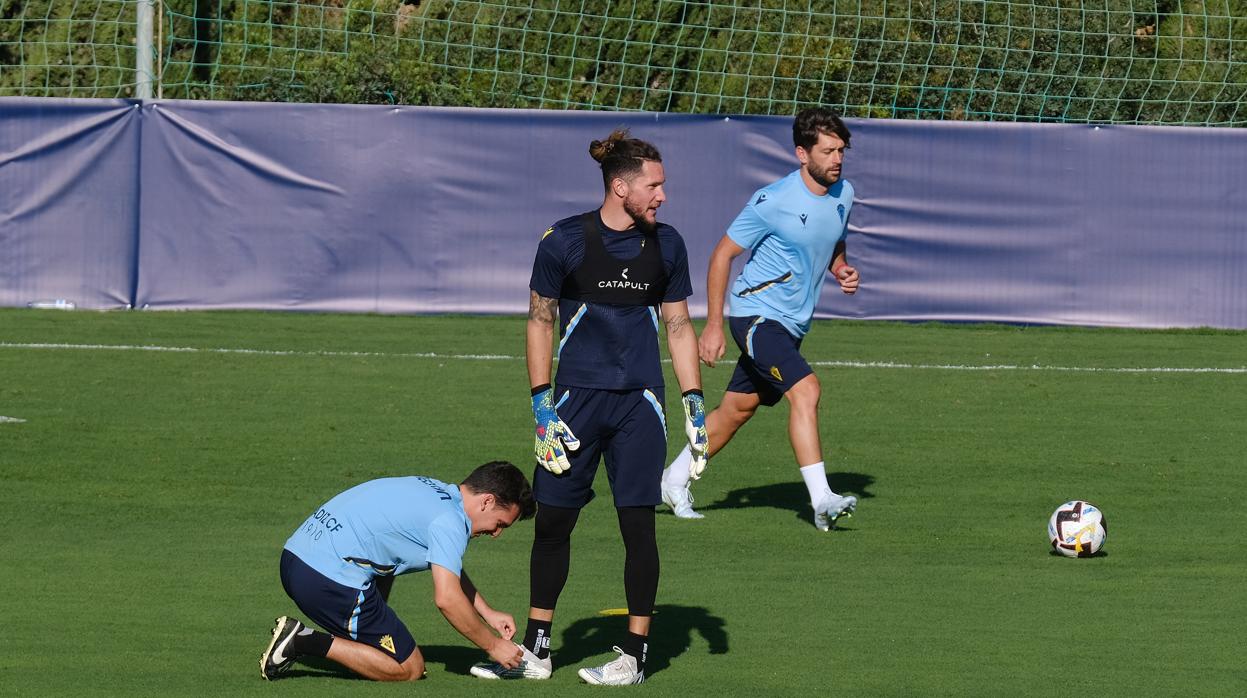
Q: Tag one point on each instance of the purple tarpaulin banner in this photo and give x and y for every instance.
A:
(68, 201)
(411, 209)
(398, 210)
(1043, 223)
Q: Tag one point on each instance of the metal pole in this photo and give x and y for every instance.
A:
(160, 47)
(144, 50)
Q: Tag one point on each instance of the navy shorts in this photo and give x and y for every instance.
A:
(627, 428)
(355, 614)
(770, 362)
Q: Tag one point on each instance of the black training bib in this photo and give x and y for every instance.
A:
(601, 278)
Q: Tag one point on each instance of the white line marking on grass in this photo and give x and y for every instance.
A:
(261, 352)
(508, 357)
(1032, 367)
(11, 420)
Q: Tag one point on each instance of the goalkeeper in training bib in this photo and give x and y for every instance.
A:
(611, 277)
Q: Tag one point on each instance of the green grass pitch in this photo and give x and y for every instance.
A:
(147, 493)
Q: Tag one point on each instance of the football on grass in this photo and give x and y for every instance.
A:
(1077, 529)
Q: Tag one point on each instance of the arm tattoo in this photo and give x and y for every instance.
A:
(676, 325)
(542, 309)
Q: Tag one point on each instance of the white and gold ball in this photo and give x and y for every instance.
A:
(1077, 529)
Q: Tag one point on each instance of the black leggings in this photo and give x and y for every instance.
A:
(551, 556)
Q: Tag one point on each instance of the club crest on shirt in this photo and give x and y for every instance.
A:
(840, 210)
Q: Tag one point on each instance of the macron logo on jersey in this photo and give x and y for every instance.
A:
(803, 217)
(840, 210)
(761, 198)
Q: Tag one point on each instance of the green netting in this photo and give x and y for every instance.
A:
(60, 48)
(1123, 61)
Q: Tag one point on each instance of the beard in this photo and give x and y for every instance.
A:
(637, 213)
(824, 177)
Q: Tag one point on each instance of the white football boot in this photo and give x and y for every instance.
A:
(621, 672)
(680, 499)
(832, 507)
(530, 668)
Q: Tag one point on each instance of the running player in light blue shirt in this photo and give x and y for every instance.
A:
(794, 234)
(795, 229)
(339, 565)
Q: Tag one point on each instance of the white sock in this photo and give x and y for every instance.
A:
(815, 476)
(676, 474)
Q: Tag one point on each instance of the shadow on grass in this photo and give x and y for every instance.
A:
(454, 659)
(671, 636)
(793, 496)
(320, 668)
(438, 659)
(1099, 554)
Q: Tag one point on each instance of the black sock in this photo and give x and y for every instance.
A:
(312, 642)
(637, 646)
(537, 637)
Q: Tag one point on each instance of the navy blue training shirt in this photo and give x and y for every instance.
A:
(605, 346)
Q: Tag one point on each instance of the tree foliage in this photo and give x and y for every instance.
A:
(1128, 61)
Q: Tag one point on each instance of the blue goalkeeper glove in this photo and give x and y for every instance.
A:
(554, 438)
(695, 430)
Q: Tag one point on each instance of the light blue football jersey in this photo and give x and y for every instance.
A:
(792, 234)
(386, 527)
